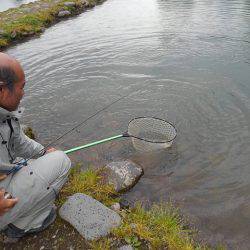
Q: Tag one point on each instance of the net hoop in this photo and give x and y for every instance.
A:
(163, 123)
(151, 133)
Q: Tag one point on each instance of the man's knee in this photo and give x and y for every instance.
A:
(63, 159)
(63, 165)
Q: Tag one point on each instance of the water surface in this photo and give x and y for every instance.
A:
(191, 61)
(7, 4)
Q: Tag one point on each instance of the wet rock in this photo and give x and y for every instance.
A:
(64, 13)
(125, 204)
(69, 4)
(122, 174)
(90, 217)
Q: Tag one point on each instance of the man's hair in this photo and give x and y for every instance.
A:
(8, 77)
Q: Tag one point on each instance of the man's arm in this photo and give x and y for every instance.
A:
(6, 204)
(26, 147)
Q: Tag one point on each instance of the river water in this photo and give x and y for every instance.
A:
(7, 4)
(191, 61)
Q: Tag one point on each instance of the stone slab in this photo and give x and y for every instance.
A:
(90, 217)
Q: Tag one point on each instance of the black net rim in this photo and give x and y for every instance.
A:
(126, 134)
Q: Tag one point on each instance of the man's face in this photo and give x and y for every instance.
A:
(10, 99)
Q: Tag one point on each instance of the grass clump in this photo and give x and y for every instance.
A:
(3, 42)
(29, 132)
(102, 244)
(89, 182)
(160, 227)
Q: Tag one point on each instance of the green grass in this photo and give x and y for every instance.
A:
(89, 182)
(103, 244)
(29, 132)
(160, 227)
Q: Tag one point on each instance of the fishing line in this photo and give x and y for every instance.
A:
(147, 133)
(23, 162)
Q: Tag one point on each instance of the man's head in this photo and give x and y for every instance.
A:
(12, 81)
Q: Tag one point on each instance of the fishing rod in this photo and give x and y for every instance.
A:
(23, 162)
(147, 133)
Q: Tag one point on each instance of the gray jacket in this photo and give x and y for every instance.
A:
(35, 185)
(14, 143)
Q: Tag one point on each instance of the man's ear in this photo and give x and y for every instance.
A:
(2, 90)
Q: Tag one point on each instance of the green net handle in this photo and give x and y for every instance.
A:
(92, 144)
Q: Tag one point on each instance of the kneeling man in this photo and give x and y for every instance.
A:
(35, 186)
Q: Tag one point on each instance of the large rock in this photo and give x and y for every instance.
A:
(90, 217)
(122, 174)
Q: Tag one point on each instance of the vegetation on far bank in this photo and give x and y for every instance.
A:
(31, 19)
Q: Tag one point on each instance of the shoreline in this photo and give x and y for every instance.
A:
(159, 227)
(27, 21)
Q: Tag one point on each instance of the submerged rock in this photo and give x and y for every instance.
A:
(64, 13)
(122, 174)
(125, 204)
(90, 217)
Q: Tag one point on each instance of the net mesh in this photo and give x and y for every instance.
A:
(150, 133)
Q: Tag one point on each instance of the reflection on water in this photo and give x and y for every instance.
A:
(191, 61)
(7, 4)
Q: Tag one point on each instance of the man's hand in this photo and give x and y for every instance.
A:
(6, 204)
(2, 176)
(49, 150)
